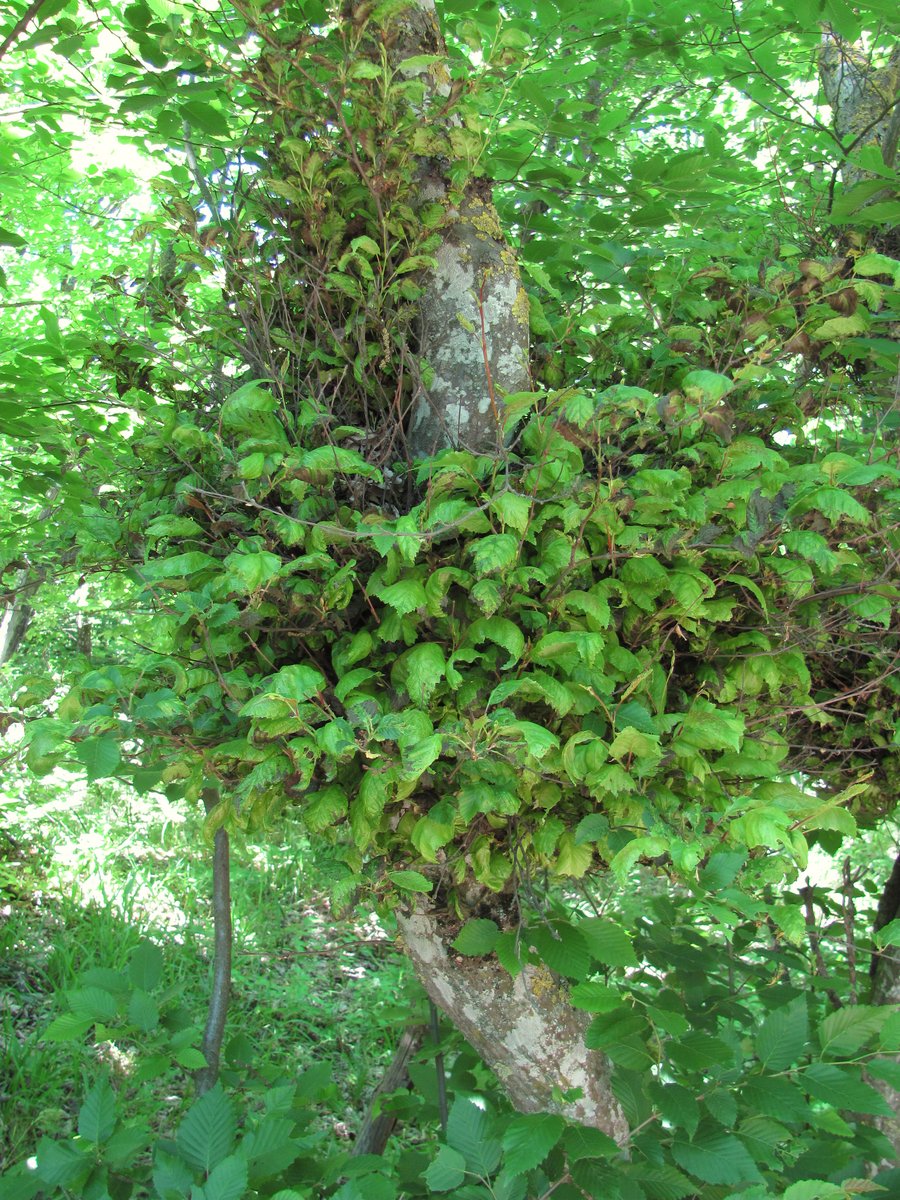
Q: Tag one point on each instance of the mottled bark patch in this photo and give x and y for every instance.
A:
(524, 1028)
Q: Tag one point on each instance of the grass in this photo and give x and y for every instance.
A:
(85, 873)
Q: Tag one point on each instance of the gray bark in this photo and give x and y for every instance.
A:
(865, 102)
(473, 334)
(524, 1028)
(886, 990)
(17, 615)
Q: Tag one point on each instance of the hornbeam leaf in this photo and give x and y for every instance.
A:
(529, 1139)
(608, 942)
(716, 1157)
(446, 1171)
(843, 1089)
(206, 1133)
(410, 881)
(100, 756)
(97, 1116)
(477, 937)
(783, 1036)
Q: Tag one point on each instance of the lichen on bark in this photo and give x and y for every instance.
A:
(524, 1028)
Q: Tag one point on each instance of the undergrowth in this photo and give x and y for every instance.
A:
(86, 874)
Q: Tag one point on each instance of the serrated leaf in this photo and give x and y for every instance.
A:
(501, 632)
(783, 1036)
(100, 756)
(529, 1139)
(227, 1180)
(69, 1027)
(582, 1142)
(206, 1133)
(61, 1164)
(425, 666)
(494, 553)
(410, 881)
(562, 948)
(296, 682)
(843, 1089)
(477, 937)
(468, 1131)
(417, 757)
(595, 997)
(608, 942)
(446, 1171)
(716, 1157)
(145, 966)
(404, 597)
(143, 1011)
(846, 1031)
(93, 1002)
(97, 1115)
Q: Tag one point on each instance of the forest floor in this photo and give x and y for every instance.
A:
(86, 873)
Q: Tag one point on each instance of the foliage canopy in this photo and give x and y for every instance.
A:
(656, 631)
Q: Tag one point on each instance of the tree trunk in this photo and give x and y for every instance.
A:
(886, 990)
(377, 1126)
(524, 1028)
(863, 100)
(474, 344)
(473, 331)
(17, 614)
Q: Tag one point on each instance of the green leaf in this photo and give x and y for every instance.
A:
(494, 553)
(206, 1133)
(425, 666)
(227, 1180)
(783, 1036)
(446, 1171)
(97, 1116)
(417, 757)
(843, 1033)
(528, 1140)
(562, 948)
(580, 1142)
(100, 755)
(637, 848)
(843, 1089)
(179, 566)
(404, 597)
(143, 1011)
(716, 1157)
(468, 1131)
(69, 1027)
(296, 682)
(513, 510)
(706, 386)
(61, 1164)
(145, 965)
(608, 942)
(595, 997)
(93, 1002)
(708, 728)
(500, 631)
(477, 937)
(250, 572)
(410, 881)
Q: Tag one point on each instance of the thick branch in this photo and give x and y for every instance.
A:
(525, 1029)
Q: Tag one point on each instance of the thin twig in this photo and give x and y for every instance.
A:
(815, 942)
(21, 25)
